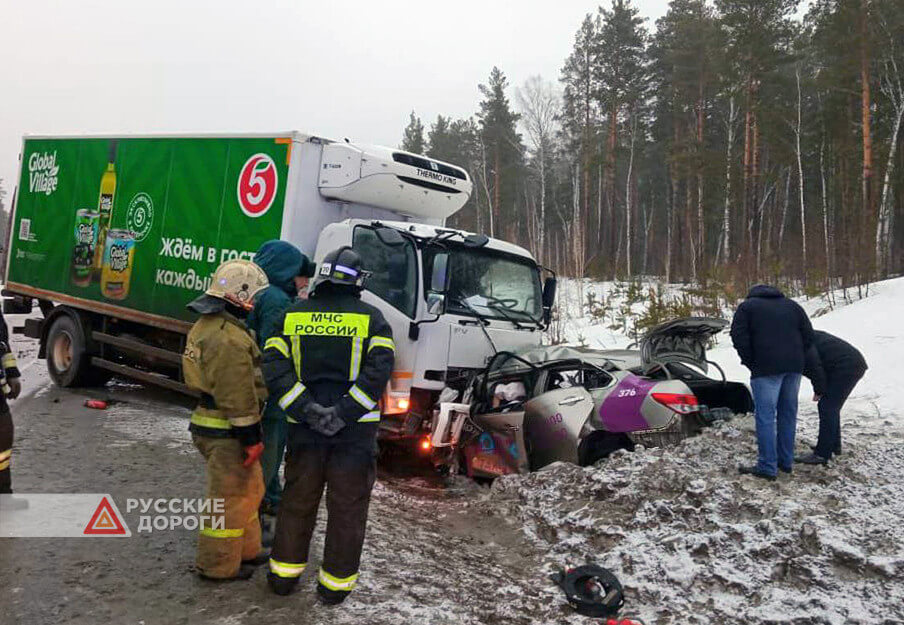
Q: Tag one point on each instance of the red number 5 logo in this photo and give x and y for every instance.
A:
(257, 185)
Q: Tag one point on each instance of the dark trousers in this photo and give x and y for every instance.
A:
(348, 471)
(830, 404)
(274, 446)
(6, 449)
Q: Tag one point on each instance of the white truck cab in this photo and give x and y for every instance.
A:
(453, 299)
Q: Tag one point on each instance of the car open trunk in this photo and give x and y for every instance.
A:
(677, 349)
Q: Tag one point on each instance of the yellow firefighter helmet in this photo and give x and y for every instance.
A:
(237, 282)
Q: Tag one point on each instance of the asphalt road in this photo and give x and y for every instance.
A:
(430, 555)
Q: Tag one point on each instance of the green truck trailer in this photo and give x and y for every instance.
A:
(113, 236)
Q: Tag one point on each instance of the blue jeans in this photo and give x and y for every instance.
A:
(775, 399)
(275, 429)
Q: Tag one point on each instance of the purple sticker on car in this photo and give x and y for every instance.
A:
(620, 411)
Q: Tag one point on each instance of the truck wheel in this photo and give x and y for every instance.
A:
(66, 355)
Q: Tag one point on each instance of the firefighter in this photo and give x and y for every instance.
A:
(11, 389)
(221, 360)
(328, 369)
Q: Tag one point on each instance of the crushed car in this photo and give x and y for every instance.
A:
(531, 408)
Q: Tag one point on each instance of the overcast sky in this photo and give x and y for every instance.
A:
(338, 69)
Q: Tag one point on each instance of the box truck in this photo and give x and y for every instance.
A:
(113, 236)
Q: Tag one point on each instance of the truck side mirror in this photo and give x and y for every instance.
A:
(440, 274)
(549, 298)
(435, 303)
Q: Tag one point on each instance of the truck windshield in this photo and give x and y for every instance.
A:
(492, 285)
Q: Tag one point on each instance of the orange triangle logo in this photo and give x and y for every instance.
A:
(105, 521)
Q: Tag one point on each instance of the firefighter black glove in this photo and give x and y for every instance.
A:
(322, 420)
(15, 387)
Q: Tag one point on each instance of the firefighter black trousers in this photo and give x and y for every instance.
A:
(347, 469)
(6, 449)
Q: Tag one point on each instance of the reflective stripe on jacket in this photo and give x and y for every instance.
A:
(334, 349)
(222, 361)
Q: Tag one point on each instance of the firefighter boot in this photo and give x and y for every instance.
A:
(282, 586)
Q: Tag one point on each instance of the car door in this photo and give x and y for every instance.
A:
(552, 425)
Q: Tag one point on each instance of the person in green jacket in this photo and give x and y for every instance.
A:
(288, 271)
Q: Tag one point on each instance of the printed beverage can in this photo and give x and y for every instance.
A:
(105, 215)
(119, 252)
(86, 227)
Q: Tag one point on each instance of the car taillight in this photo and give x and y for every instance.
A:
(679, 402)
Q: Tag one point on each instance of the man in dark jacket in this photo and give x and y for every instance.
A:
(834, 367)
(288, 271)
(772, 334)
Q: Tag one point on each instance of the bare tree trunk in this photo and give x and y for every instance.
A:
(759, 216)
(691, 239)
(599, 205)
(670, 209)
(726, 208)
(701, 224)
(542, 224)
(609, 187)
(893, 88)
(577, 229)
(866, 104)
(486, 187)
(825, 210)
(781, 227)
(628, 196)
(883, 227)
(747, 204)
(800, 176)
(497, 178)
(647, 224)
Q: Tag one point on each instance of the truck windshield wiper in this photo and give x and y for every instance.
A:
(498, 307)
(502, 310)
(484, 322)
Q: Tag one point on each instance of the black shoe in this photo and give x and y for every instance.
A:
(331, 597)
(810, 459)
(785, 470)
(245, 573)
(260, 559)
(282, 586)
(755, 472)
(837, 451)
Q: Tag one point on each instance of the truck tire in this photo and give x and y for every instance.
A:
(67, 359)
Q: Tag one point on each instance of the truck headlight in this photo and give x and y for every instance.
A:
(395, 402)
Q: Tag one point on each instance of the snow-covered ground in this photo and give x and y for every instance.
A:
(694, 542)
(691, 541)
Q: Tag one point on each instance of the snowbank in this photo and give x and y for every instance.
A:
(694, 542)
